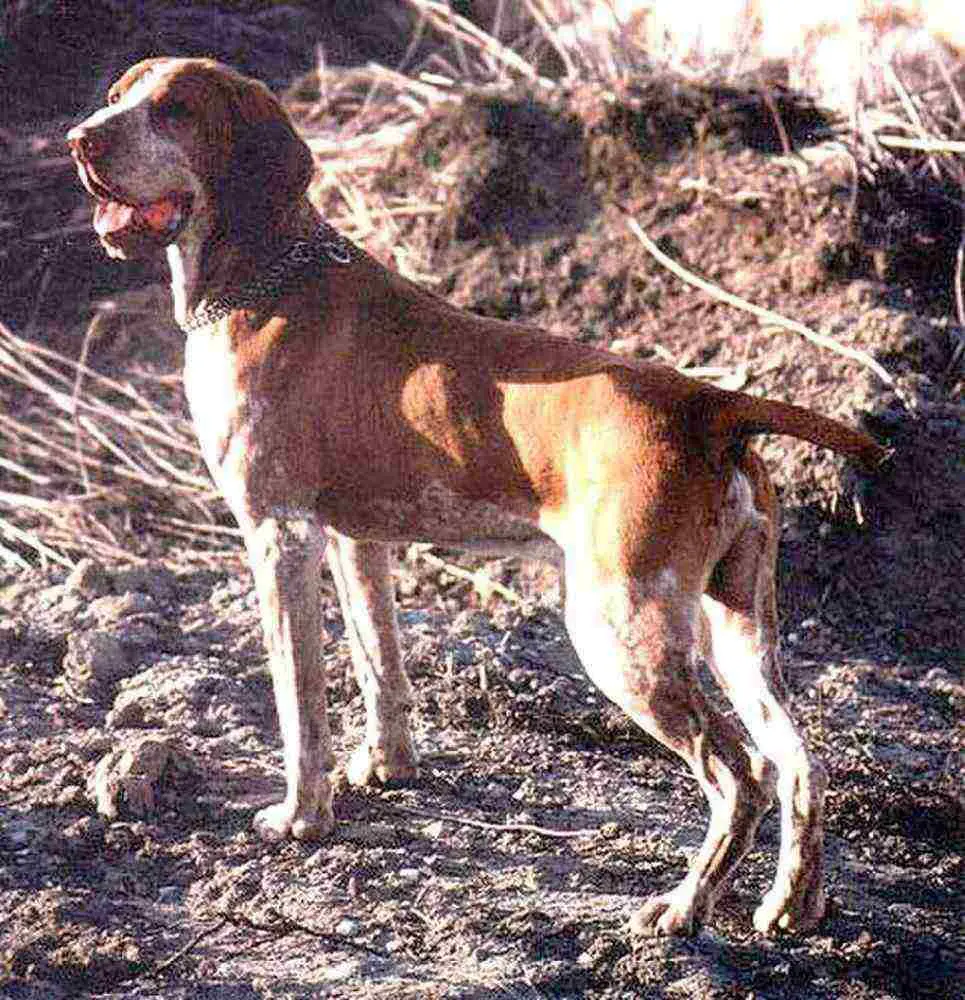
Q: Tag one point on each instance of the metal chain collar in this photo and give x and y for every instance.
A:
(326, 246)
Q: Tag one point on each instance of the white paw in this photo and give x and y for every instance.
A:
(672, 913)
(283, 820)
(380, 767)
(779, 911)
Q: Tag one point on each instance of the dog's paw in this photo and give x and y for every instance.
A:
(671, 913)
(283, 820)
(368, 766)
(782, 912)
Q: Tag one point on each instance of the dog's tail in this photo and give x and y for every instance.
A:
(738, 416)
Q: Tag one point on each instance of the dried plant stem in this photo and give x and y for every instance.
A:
(92, 327)
(911, 110)
(188, 948)
(479, 824)
(766, 315)
(959, 267)
(30, 539)
(482, 582)
(94, 450)
(281, 926)
(552, 35)
(925, 144)
(465, 33)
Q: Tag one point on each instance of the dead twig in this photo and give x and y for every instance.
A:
(464, 34)
(479, 824)
(78, 381)
(959, 266)
(786, 146)
(30, 539)
(281, 926)
(482, 582)
(189, 947)
(925, 144)
(94, 450)
(766, 315)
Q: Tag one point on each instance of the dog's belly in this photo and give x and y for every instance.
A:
(441, 516)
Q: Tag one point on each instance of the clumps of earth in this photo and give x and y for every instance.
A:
(137, 740)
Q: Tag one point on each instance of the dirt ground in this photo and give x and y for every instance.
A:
(542, 818)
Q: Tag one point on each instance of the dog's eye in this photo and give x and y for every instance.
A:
(170, 113)
(177, 111)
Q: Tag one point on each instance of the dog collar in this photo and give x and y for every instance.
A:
(326, 246)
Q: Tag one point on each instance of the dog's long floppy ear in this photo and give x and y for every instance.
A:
(268, 167)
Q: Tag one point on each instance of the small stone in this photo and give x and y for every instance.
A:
(518, 677)
(111, 609)
(50, 596)
(71, 795)
(88, 579)
(158, 582)
(347, 927)
(94, 663)
(141, 632)
(635, 344)
(434, 829)
(170, 895)
(126, 713)
(940, 678)
(409, 876)
(131, 780)
(406, 583)
(340, 972)
(88, 830)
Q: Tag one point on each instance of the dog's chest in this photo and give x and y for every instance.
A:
(218, 407)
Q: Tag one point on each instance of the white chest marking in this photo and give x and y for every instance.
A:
(217, 409)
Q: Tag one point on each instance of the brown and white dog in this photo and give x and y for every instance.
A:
(330, 392)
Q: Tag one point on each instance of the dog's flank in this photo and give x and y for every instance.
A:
(373, 411)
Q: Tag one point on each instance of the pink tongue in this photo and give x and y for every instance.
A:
(160, 214)
(113, 217)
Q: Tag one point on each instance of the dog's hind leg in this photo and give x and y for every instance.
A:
(638, 640)
(740, 610)
(361, 574)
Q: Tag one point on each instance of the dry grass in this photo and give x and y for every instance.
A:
(95, 465)
(916, 143)
(89, 462)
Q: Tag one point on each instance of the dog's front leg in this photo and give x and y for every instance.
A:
(286, 561)
(364, 585)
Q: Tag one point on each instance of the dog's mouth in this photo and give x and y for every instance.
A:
(128, 228)
(162, 220)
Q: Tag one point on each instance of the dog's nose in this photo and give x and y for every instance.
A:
(85, 143)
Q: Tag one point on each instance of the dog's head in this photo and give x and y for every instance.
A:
(188, 147)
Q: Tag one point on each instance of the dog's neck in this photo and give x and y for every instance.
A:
(206, 265)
